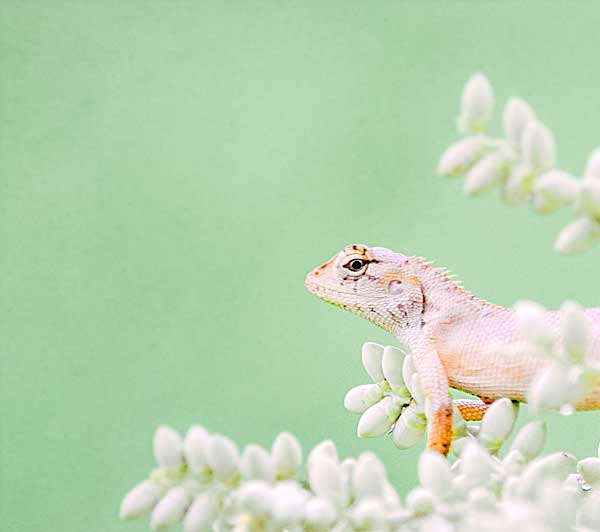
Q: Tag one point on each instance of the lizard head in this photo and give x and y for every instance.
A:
(375, 283)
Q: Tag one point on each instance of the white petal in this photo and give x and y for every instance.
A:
(497, 424)
(223, 457)
(379, 418)
(575, 331)
(530, 440)
(531, 320)
(519, 184)
(476, 463)
(287, 455)
(170, 510)
(168, 448)
(592, 168)
(327, 480)
(538, 147)
(554, 189)
(410, 427)
(194, 447)
(579, 235)
(140, 500)
(392, 362)
(372, 355)
(201, 514)
(420, 502)
(588, 199)
(325, 448)
(517, 114)
(361, 397)
(369, 477)
(459, 157)
(256, 464)
(434, 473)
(486, 174)
(476, 104)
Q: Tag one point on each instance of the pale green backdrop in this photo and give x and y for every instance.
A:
(169, 171)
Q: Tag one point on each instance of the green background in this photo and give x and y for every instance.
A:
(169, 171)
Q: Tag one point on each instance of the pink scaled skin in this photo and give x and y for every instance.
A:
(454, 336)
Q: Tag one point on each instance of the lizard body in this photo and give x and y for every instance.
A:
(455, 337)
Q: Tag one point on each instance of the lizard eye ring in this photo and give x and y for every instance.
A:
(356, 266)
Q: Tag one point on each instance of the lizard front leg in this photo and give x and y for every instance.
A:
(435, 386)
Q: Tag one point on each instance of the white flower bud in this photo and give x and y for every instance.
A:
(223, 458)
(482, 499)
(392, 363)
(538, 147)
(202, 513)
(519, 184)
(410, 427)
(372, 355)
(514, 463)
(589, 513)
(408, 370)
(140, 500)
(170, 510)
(550, 389)
(476, 104)
(554, 189)
(575, 331)
(168, 448)
(379, 418)
(588, 199)
(361, 397)
(459, 426)
(517, 114)
(325, 448)
(592, 168)
(287, 455)
(368, 514)
(369, 477)
(194, 447)
(579, 235)
(434, 473)
(530, 440)
(320, 513)
(486, 174)
(416, 389)
(532, 323)
(476, 463)
(461, 156)
(497, 424)
(326, 479)
(256, 464)
(420, 502)
(256, 498)
(589, 469)
(552, 466)
(289, 503)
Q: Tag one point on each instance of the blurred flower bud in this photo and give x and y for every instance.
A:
(552, 466)
(476, 104)
(461, 156)
(325, 448)
(379, 418)
(434, 473)
(420, 502)
(589, 469)
(532, 323)
(579, 235)
(497, 424)
(592, 167)
(517, 114)
(486, 174)
(320, 513)
(514, 462)
(519, 184)
(170, 510)
(140, 500)
(326, 480)
(168, 448)
(223, 458)
(416, 389)
(554, 189)
(538, 147)
(576, 335)
(549, 389)
(371, 358)
(202, 513)
(588, 517)
(408, 370)
(410, 427)
(369, 477)
(289, 502)
(256, 464)
(530, 440)
(194, 447)
(392, 362)
(368, 514)
(256, 498)
(287, 455)
(361, 397)
(476, 463)
(588, 199)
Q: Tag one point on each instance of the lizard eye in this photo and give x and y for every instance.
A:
(355, 265)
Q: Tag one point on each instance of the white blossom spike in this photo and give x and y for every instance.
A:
(368, 477)
(517, 115)
(392, 362)
(486, 174)
(538, 147)
(361, 397)
(287, 455)
(379, 418)
(477, 103)
(171, 509)
(434, 473)
(461, 156)
(588, 198)
(202, 513)
(410, 427)
(372, 355)
(497, 424)
(140, 500)
(575, 331)
(530, 440)
(168, 448)
(554, 189)
(578, 236)
(256, 464)
(223, 457)
(194, 448)
(592, 168)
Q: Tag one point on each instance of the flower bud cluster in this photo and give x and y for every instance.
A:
(522, 164)
(569, 372)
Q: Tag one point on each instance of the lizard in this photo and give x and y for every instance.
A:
(453, 335)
